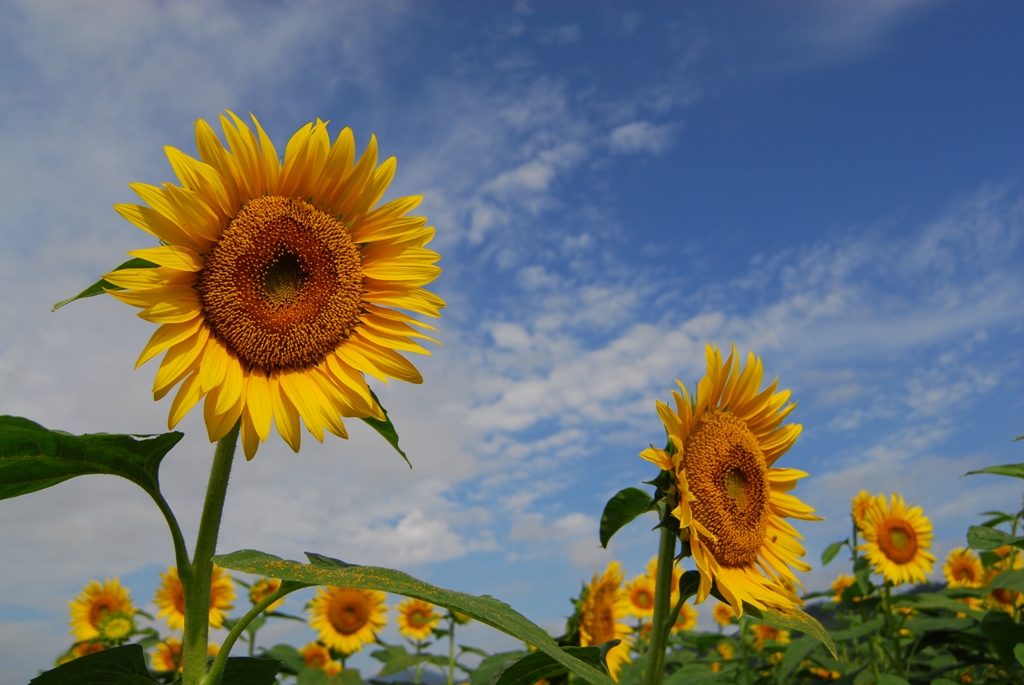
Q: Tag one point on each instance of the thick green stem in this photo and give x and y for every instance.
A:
(662, 595)
(213, 677)
(197, 593)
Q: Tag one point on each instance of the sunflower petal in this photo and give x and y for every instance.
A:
(286, 416)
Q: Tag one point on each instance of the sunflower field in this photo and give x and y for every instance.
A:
(279, 284)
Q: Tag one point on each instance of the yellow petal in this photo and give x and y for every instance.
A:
(270, 161)
(231, 388)
(166, 336)
(188, 394)
(156, 224)
(172, 257)
(299, 390)
(258, 403)
(180, 357)
(250, 438)
(286, 416)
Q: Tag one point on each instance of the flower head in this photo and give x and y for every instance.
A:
(416, 619)
(601, 614)
(723, 614)
(725, 650)
(275, 284)
(116, 628)
(840, 584)
(80, 649)
(94, 603)
(730, 501)
(318, 656)
(897, 538)
(963, 569)
(170, 597)
(859, 507)
(347, 618)
(263, 588)
(640, 592)
(763, 633)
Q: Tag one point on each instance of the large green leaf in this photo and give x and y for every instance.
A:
(386, 428)
(486, 609)
(625, 506)
(102, 285)
(1004, 634)
(980, 537)
(861, 630)
(1012, 580)
(33, 458)
(832, 550)
(487, 668)
(1014, 470)
(795, 653)
(118, 666)
(793, 619)
(249, 671)
(539, 666)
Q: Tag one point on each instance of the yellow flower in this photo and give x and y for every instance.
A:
(963, 569)
(1005, 599)
(263, 588)
(94, 603)
(731, 503)
(416, 618)
(687, 619)
(859, 506)
(840, 584)
(725, 650)
(275, 282)
(973, 603)
(80, 649)
(167, 657)
(640, 592)
(116, 628)
(896, 539)
(318, 656)
(716, 666)
(347, 618)
(601, 615)
(723, 614)
(170, 598)
(763, 633)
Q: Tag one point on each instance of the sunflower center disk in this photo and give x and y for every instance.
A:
(727, 474)
(348, 614)
(898, 541)
(283, 285)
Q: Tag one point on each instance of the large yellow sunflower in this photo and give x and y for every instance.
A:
(963, 569)
(640, 592)
(170, 597)
(275, 282)
(347, 618)
(897, 538)
(94, 603)
(416, 618)
(731, 503)
(601, 615)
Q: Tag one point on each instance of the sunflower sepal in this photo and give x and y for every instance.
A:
(102, 286)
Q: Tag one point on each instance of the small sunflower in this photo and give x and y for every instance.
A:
(263, 588)
(840, 584)
(318, 656)
(167, 657)
(963, 569)
(416, 618)
(116, 628)
(640, 592)
(94, 603)
(601, 615)
(730, 501)
(347, 618)
(1005, 599)
(80, 649)
(725, 650)
(859, 506)
(897, 537)
(723, 614)
(687, 619)
(763, 633)
(170, 597)
(277, 284)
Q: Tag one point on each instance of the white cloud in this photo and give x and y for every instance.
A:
(640, 136)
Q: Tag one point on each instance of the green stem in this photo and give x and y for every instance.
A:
(451, 650)
(894, 631)
(744, 649)
(662, 594)
(213, 677)
(197, 593)
(180, 549)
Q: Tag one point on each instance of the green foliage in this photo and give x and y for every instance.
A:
(386, 428)
(540, 666)
(1004, 633)
(832, 550)
(621, 509)
(794, 619)
(486, 609)
(119, 666)
(101, 286)
(490, 666)
(1013, 470)
(33, 458)
(249, 671)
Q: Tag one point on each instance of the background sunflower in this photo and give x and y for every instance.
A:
(897, 538)
(347, 618)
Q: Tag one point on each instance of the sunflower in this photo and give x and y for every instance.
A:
(859, 506)
(80, 649)
(318, 656)
(263, 588)
(840, 584)
(274, 283)
(1005, 599)
(167, 657)
(687, 619)
(963, 569)
(640, 592)
(731, 503)
(94, 603)
(605, 606)
(763, 633)
(416, 618)
(347, 618)
(897, 537)
(725, 650)
(116, 628)
(723, 614)
(170, 597)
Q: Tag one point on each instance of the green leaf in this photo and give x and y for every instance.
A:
(401, 663)
(539, 666)
(796, 652)
(689, 583)
(289, 657)
(100, 286)
(33, 458)
(792, 619)
(1012, 580)
(118, 666)
(240, 670)
(386, 428)
(1014, 470)
(925, 624)
(890, 679)
(832, 550)
(1018, 652)
(980, 537)
(944, 681)
(855, 632)
(1003, 633)
(625, 506)
(483, 673)
(486, 609)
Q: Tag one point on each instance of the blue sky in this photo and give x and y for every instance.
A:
(837, 187)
